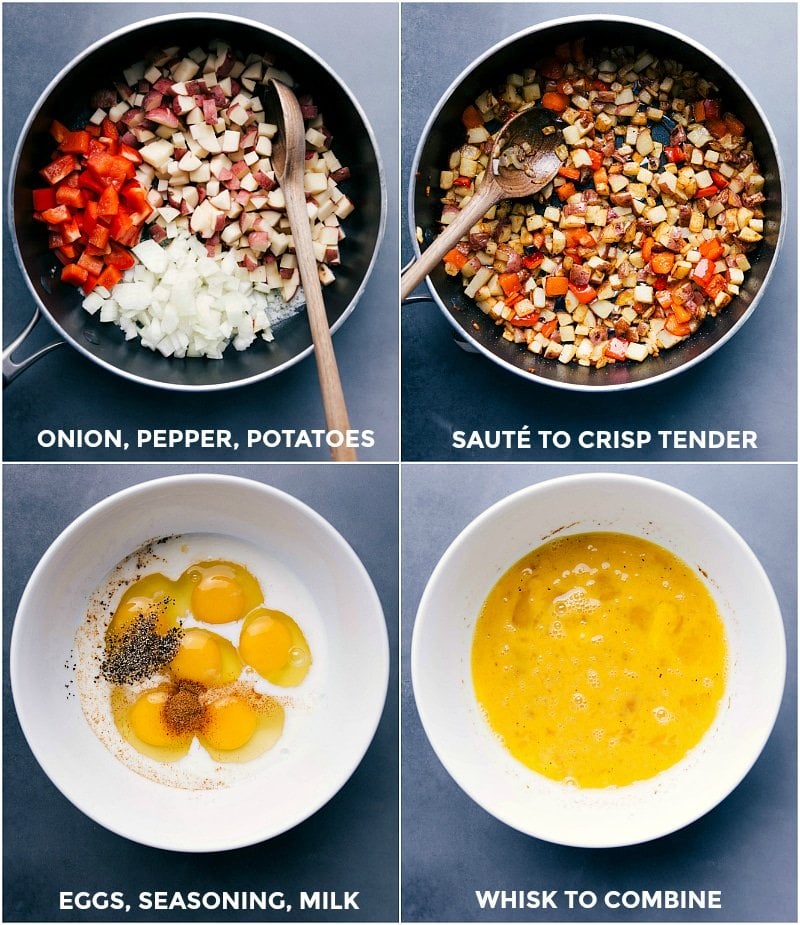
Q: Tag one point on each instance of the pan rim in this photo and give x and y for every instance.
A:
(680, 37)
(113, 36)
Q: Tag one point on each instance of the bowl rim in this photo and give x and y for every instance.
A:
(381, 660)
(613, 479)
(210, 16)
(585, 18)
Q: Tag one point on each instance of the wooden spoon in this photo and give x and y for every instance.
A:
(541, 165)
(288, 160)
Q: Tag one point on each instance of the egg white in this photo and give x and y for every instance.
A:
(282, 589)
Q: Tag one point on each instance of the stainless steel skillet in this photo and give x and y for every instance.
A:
(444, 131)
(66, 98)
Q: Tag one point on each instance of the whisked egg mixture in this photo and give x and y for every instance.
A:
(599, 659)
(198, 661)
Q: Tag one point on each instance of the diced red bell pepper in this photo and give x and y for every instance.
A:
(549, 327)
(108, 129)
(111, 168)
(70, 196)
(525, 321)
(455, 258)
(90, 217)
(706, 191)
(108, 204)
(67, 253)
(717, 127)
(509, 282)
(463, 182)
(74, 275)
(584, 294)
(109, 277)
(565, 191)
(571, 173)
(735, 126)
(471, 117)
(555, 101)
(531, 261)
(681, 312)
(674, 154)
(58, 169)
(94, 251)
(91, 282)
(712, 109)
(99, 235)
(135, 196)
(119, 257)
(76, 143)
(676, 327)
(719, 180)
(596, 158)
(715, 285)
(712, 248)
(44, 199)
(87, 180)
(91, 263)
(57, 215)
(703, 271)
(123, 230)
(70, 231)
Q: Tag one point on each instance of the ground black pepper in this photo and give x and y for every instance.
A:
(139, 651)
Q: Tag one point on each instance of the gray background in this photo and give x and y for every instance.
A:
(349, 844)
(746, 847)
(446, 389)
(65, 390)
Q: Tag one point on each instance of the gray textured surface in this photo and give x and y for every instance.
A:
(349, 844)
(746, 847)
(446, 389)
(65, 390)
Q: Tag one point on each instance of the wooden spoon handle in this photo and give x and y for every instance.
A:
(482, 200)
(333, 403)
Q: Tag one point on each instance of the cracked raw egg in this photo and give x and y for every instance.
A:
(233, 725)
(222, 592)
(174, 699)
(214, 591)
(206, 658)
(274, 645)
(143, 722)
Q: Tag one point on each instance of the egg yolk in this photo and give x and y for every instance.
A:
(218, 599)
(151, 596)
(231, 722)
(146, 717)
(273, 644)
(220, 591)
(206, 658)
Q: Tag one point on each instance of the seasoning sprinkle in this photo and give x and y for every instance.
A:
(139, 651)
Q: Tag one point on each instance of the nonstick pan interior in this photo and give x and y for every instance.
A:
(444, 132)
(67, 100)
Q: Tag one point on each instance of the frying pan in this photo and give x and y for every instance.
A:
(444, 131)
(67, 99)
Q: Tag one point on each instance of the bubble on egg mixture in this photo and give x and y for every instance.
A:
(197, 717)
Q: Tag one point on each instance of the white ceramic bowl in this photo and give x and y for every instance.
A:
(292, 786)
(475, 757)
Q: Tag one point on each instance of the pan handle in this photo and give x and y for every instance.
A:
(412, 299)
(12, 368)
(461, 342)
